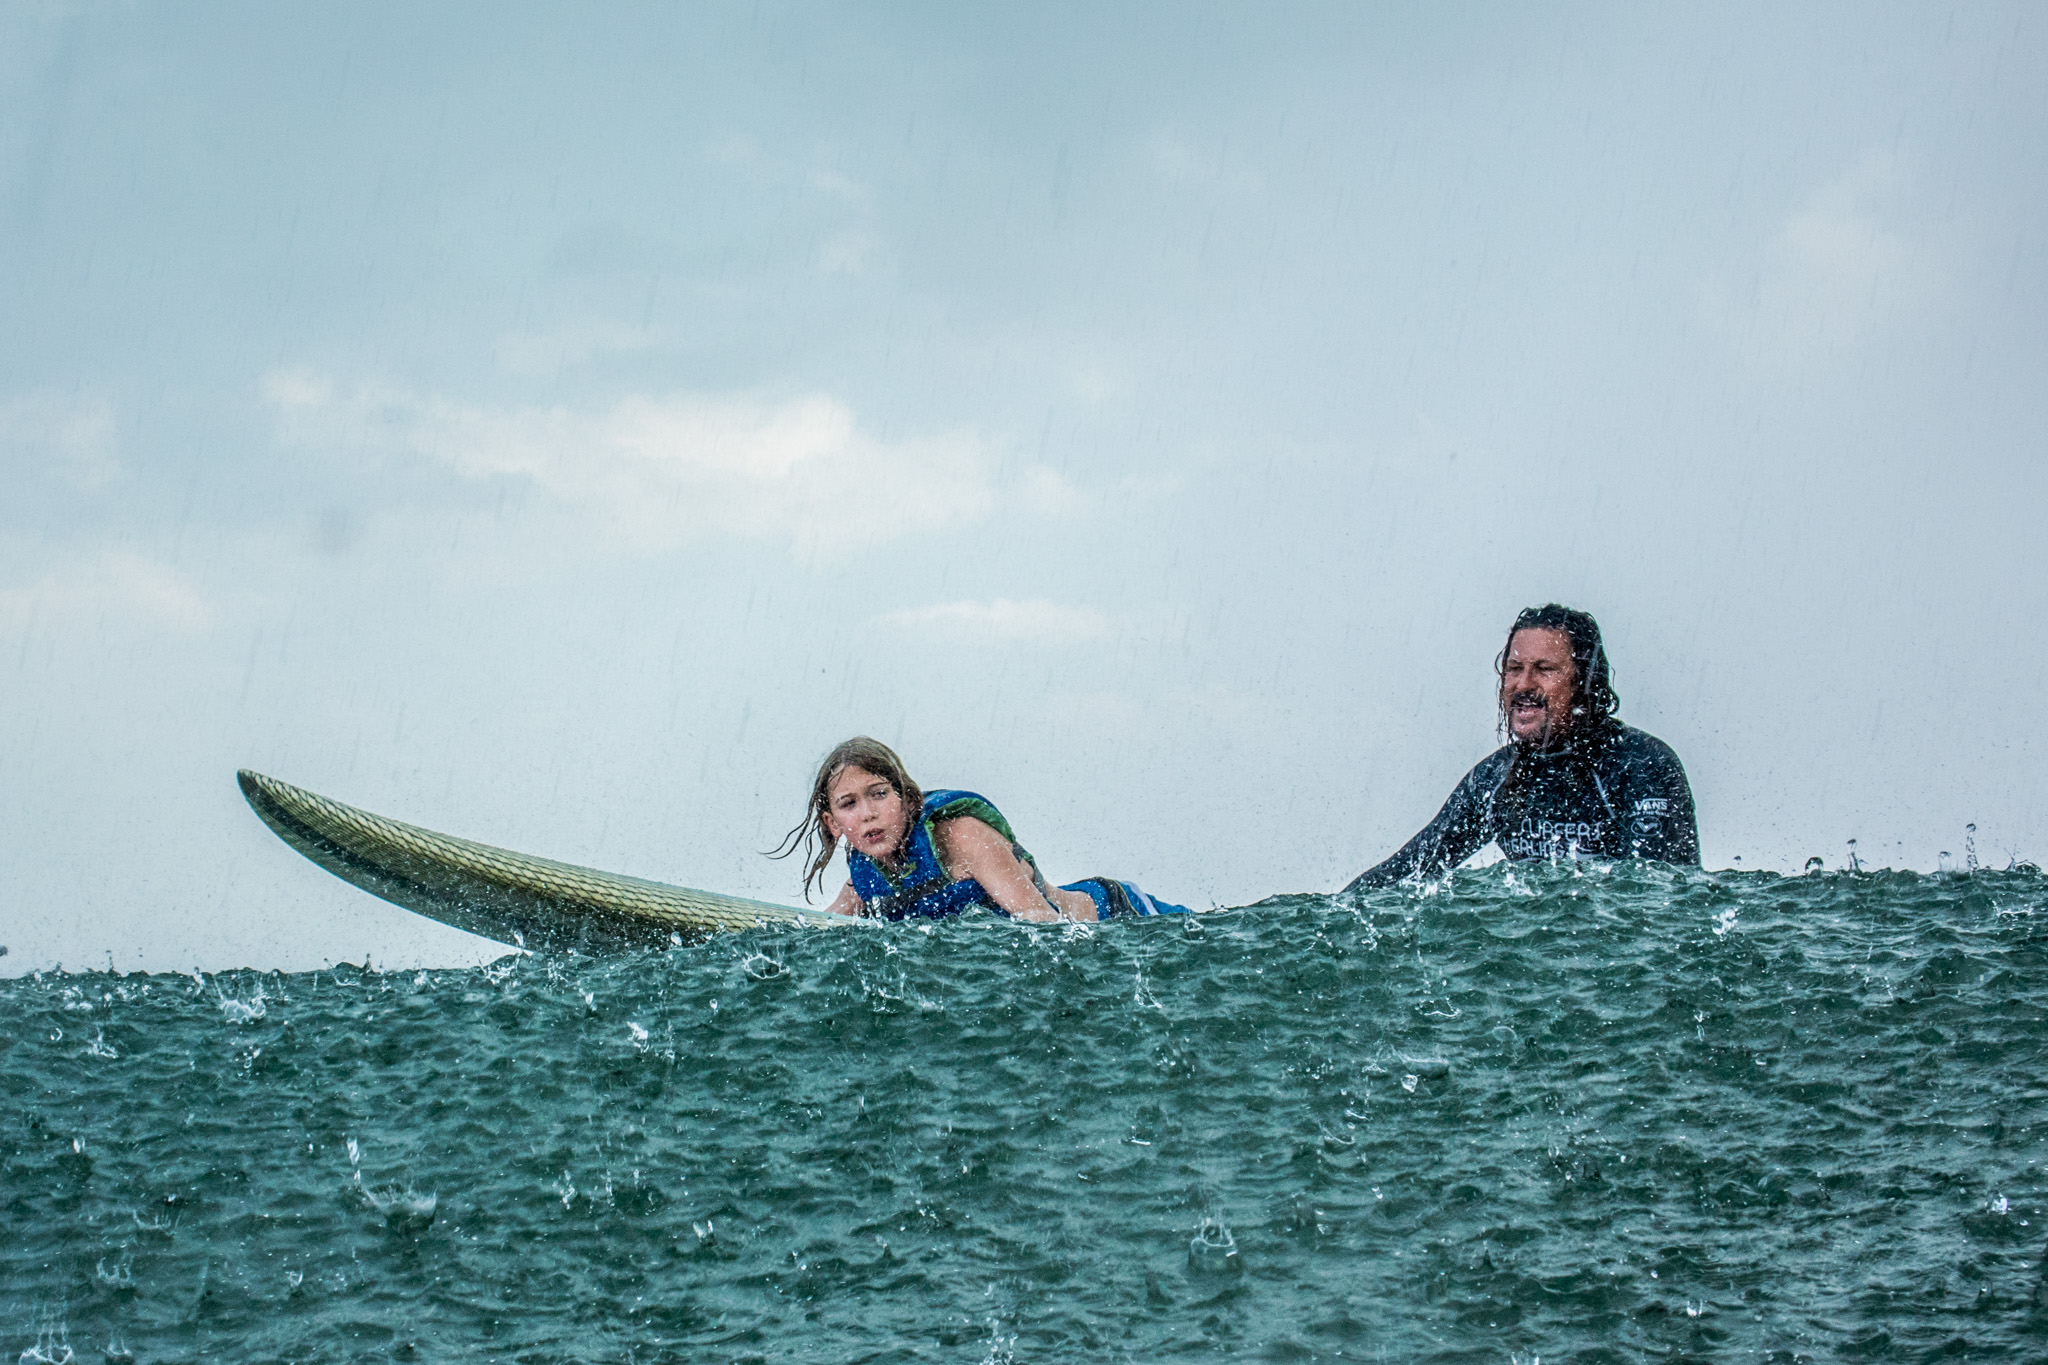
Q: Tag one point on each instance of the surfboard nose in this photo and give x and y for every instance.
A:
(513, 897)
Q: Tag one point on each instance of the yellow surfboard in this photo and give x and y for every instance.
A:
(514, 898)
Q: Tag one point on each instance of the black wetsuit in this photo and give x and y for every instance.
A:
(1618, 793)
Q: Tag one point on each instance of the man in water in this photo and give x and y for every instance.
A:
(1572, 781)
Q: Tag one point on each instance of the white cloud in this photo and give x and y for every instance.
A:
(1178, 161)
(75, 435)
(841, 187)
(1842, 268)
(734, 149)
(1173, 159)
(1035, 620)
(846, 254)
(542, 355)
(119, 585)
(297, 390)
(1097, 383)
(649, 472)
(1050, 493)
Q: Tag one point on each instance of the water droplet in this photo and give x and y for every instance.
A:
(404, 1210)
(762, 967)
(1213, 1249)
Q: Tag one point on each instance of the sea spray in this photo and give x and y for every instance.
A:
(1530, 1111)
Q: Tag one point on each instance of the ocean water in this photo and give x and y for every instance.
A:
(1550, 1114)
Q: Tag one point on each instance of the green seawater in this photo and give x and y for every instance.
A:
(1561, 1114)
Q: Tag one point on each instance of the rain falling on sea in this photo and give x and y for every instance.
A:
(1563, 1114)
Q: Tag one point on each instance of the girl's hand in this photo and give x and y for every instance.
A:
(847, 902)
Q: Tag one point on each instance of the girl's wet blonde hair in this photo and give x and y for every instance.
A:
(813, 835)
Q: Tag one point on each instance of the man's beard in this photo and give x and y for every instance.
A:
(1541, 739)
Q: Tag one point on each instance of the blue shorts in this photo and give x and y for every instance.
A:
(1115, 899)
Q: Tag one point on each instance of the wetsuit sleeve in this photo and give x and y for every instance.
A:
(1660, 818)
(1453, 836)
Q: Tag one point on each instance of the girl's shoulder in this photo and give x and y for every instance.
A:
(941, 806)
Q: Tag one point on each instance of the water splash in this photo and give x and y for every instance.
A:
(403, 1208)
(164, 1225)
(1082, 1120)
(1002, 1350)
(762, 967)
(1141, 990)
(1213, 1248)
(53, 1341)
(240, 1012)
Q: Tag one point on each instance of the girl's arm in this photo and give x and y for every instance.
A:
(847, 902)
(973, 848)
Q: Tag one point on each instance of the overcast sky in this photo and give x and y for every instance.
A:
(559, 425)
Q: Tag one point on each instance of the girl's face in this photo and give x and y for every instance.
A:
(867, 812)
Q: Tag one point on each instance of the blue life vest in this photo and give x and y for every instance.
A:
(923, 888)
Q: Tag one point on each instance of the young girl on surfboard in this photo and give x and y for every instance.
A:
(912, 854)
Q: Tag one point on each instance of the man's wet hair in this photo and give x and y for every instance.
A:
(1593, 697)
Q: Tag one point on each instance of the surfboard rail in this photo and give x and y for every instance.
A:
(514, 898)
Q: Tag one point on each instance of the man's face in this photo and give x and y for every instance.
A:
(1536, 685)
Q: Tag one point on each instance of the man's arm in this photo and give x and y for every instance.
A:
(1660, 819)
(1453, 836)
